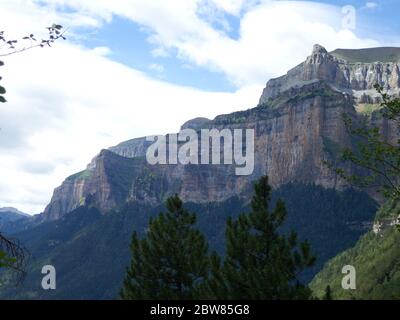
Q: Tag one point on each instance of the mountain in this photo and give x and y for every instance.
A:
(12, 211)
(85, 230)
(10, 216)
(376, 258)
(298, 124)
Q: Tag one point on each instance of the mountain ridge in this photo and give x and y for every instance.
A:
(298, 125)
(13, 210)
(12, 220)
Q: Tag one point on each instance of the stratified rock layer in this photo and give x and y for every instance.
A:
(298, 125)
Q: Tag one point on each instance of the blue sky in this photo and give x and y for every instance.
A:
(131, 68)
(381, 19)
(129, 44)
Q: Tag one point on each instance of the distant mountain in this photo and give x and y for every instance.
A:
(14, 211)
(11, 215)
(376, 258)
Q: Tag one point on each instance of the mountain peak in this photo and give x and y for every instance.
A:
(318, 49)
(340, 70)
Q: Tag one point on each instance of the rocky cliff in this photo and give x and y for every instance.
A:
(352, 77)
(298, 124)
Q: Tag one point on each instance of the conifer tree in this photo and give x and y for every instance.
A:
(171, 260)
(328, 293)
(260, 263)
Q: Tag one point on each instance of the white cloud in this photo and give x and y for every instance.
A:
(157, 67)
(232, 7)
(371, 5)
(102, 51)
(68, 102)
(274, 35)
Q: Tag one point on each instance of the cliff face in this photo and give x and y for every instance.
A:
(357, 78)
(298, 124)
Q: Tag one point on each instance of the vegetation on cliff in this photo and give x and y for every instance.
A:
(376, 258)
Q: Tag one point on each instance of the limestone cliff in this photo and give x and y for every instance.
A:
(298, 124)
(357, 78)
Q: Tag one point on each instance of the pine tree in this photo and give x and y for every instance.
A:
(328, 293)
(170, 261)
(260, 263)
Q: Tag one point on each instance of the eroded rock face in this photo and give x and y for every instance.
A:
(132, 148)
(356, 78)
(298, 125)
(196, 124)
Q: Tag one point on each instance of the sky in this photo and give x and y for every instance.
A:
(131, 68)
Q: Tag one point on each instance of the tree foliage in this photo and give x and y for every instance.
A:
(171, 260)
(13, 256)
(328, 293)
(376, 259)
(12, 46)
(261, 263)
(373, 153)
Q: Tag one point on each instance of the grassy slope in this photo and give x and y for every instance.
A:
(370, 55)
(377, 262)
(367, 109)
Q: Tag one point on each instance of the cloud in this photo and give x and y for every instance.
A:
(68, 102)
(232, 7)
(273, 35)
(102, 51)
(157, 68)
(371, 5)
(37, 166)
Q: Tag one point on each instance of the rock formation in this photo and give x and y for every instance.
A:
(298, 124)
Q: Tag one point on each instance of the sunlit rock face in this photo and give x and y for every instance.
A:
(357, 78)
(298, 125)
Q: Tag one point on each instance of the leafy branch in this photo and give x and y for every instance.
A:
(373, 153)
(13, 256)
(55, 32)
(12, 46)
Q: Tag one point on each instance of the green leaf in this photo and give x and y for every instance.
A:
(5, 261)
(2, 99)
(2, 90)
